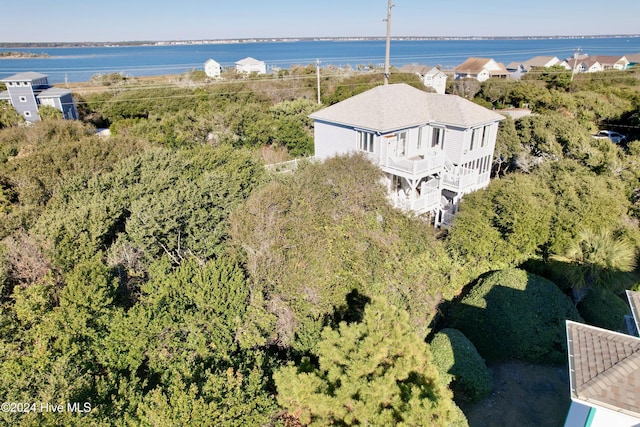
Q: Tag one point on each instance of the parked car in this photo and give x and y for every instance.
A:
(615, 137)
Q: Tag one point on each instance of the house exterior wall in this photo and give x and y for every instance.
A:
(336, 140)
(453, 142)
(260, 68)
(212, 69)
(23, 100)
(68, 107)
(483, 75)
(438, 81)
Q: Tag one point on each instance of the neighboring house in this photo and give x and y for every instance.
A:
(431, 76)
(432, 148)
(27, 91)
(604, 375)
(633, 58)
(60, 99)
(611, 62)
(250, 65)
(517, 69)
(480, 69)
(212, 69)
(585, 65)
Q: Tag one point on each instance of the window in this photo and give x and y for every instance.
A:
(419, 144)
(475, 138)
(485, 136)
(437, 137)
(23, 99)
(402, 144)
(365, 141)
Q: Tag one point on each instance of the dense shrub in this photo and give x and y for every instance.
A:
(603, 308)
(327, 230)
(515, 314)
(460, 365)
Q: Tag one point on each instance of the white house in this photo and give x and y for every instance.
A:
(589, 64)
(432, 148)
(250, 65)
(212, 69)
(517, 69)
(612, 62)
(604, 374)
(431, 76)
(480, 69)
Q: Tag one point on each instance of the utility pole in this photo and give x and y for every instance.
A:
(388, 50)
(318, 77)
(575, 62)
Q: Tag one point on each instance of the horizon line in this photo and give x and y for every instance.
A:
(292, 38)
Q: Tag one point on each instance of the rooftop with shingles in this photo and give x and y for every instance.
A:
(604, 368)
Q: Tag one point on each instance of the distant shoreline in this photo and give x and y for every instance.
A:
(14, 45)
(20, 55)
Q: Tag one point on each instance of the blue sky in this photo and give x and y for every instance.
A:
(119, 20)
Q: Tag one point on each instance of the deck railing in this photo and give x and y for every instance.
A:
(427, 164)
(460, 178)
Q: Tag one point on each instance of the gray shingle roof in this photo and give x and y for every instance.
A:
(26, 76)
(604, 368)
(54, 92)
(400, 106)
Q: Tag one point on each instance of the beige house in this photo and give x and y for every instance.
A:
(431, 76)
(604, 374)
(480, 69)
(432, 148)
(612, 62)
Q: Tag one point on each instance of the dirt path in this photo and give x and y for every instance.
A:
(523, 395)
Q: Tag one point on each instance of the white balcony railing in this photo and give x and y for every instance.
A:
(460, 178)
(428, 200)
(422, 165)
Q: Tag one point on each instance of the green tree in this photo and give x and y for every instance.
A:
(556, 76)
(598, 259)
(508, 147)
(504, 224)
(460, 365)
(377, 372)
(9, 116)
(325, 231)
(47, 112)
(502, 309)
(466, 88)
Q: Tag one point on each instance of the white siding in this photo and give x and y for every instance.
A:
(333, 140)
(454, 140)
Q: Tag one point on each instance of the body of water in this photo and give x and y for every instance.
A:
(79, 64)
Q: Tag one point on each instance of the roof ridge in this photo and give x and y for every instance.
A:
(614, 373)
(613, 378)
